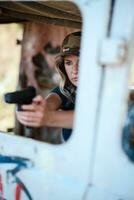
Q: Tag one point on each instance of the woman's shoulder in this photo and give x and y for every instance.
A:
(66, 104)
(56, 90)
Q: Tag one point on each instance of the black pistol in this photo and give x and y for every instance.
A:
(21, 97)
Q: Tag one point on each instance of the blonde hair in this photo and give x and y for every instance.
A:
(66, 87)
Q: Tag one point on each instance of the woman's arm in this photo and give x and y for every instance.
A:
(61, 119)
(45, 112)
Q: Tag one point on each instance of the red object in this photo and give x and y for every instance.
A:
(1, 188)
(18, 192)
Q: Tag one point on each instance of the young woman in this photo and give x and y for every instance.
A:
(57, 109)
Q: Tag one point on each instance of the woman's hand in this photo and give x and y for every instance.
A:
(45, 112)
(35, 114)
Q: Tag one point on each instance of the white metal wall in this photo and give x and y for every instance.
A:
(113, 172)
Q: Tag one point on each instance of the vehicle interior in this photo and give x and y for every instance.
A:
(40, 27)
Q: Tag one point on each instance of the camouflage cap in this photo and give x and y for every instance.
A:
(71, 44)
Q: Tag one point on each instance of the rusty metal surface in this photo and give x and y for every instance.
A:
(54, 12)
(40, 46)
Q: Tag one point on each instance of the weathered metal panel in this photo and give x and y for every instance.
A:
(113, 172)
(67, 14)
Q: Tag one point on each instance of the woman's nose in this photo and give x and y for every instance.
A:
(75, 68)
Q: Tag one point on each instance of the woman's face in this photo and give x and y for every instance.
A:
(71, 63)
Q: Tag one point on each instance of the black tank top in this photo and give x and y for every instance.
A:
(66, 105)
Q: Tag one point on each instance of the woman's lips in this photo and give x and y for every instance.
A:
(75, 78)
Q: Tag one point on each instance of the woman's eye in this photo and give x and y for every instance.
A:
(68, 62)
